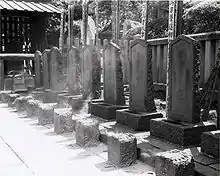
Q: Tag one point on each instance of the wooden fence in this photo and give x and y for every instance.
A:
(209, 44)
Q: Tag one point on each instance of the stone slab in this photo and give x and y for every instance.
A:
(46, 113)
(11, 99)
(179, 133)
(136, 121)
(204, 160)
(63, 120)
(8, 84)
(105, 111)
(87, 132)
(202, 170)
(122, 149)
(94, 101)
(210, 143)
(5, 95)
(174, 163)
(20, 102)
(216, 166)
(32, 108)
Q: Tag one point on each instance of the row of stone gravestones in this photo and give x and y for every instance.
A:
(49, 69)
(183, 125)
(84, 71)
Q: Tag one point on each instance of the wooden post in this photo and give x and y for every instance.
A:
(62, 23)
(85, 22)
(70, 25)
(37, 58)
(97, 20)
(2, 75)
(115, 5)
(144, 31)
(172, 34)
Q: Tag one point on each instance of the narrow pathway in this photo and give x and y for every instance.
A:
(30, 149)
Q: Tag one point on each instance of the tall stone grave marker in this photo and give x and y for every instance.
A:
(141, 105)
(37, 68)
(57, 82)
(73, 70)
(91, 72)
(113, 84)
(182, 126)
(45, 59)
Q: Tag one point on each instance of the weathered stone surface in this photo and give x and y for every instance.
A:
(73, 70)
(87, 132)
(38, 95)
(37, 68)
(32, 107)
(11, 99)
(136, 121)
(63, 120)
(8, 84)
(210, 143)
(91, 72)
(179, 133)
(184, 80)
(174, 163)
(56, 70)
(5, 96)
(122, 149)
(202, 170)
(20, 102)
(105, 111)
(113, 75)
(46, 113)
(141, 81)
(45, 60)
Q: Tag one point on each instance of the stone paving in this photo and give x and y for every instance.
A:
(38, 150)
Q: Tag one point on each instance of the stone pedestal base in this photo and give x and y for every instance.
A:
(46, 113)
(210, 143)
(51, 96)
(174, 163)
(32, 108)
(11, 99)
(93, 101)
(20, 102)
(135, 121)
(122, 149)
(105, 111)
(181, 134)
(8, 84)
(87, 132)
(38, 95)
(63, 120)
(5, 96)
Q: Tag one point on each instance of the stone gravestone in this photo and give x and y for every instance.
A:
(73, 70)
(141, 104)
(37, 68)
(57, 82)
(141, 83)
(182, 126)
(113, 84)
(185, 79)
(91, 72)
(113, 76)
(45, 59)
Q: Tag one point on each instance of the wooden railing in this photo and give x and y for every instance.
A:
(209, 44)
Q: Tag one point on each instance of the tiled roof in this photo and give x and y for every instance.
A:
(28, 6)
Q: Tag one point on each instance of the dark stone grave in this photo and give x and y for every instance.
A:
(183, 125)
(141, 105)
(113, 84)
